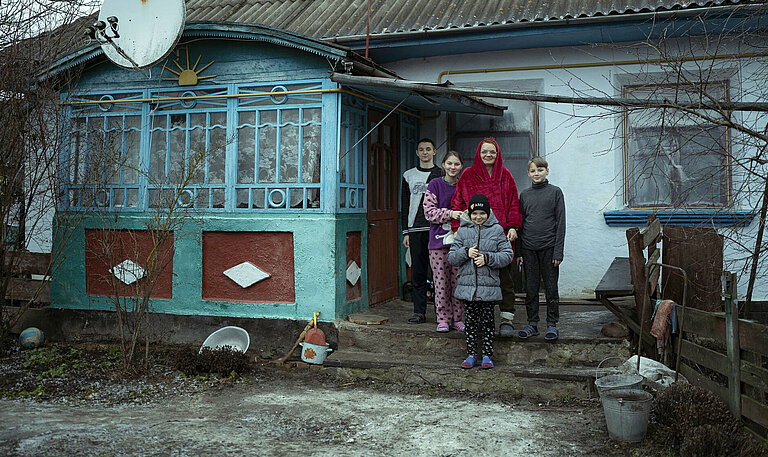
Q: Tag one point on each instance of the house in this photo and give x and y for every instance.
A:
(305, 139)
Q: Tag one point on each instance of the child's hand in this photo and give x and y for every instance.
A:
(455, 214)
(557, 262)
(473, 252)
(480, 260)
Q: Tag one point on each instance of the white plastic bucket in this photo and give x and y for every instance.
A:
(626, 413)
(235, 337)
(314, 353)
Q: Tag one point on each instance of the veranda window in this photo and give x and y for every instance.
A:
(214, 148)
(515, 132)
(675, 159)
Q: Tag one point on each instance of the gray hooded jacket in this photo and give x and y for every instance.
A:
(473, 283)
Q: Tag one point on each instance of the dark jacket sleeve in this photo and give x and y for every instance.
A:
(560, 218)
(405, 205)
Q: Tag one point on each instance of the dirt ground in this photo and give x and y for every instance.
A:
(93, 411)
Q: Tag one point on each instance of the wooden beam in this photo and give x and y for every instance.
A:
(753, 337)
(703, 323)
(732, 344)
(703, 356)
(27, 262)
(754, 375)
(754, 410)
(698, 379)
(651, 233)
(29, 289)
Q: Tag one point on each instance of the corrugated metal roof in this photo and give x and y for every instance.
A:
(342, 18)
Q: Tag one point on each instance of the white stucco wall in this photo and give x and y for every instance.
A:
(582, 144)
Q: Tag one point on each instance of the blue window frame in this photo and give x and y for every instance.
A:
(352, 156)
(215, 148)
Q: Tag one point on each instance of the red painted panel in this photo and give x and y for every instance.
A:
(107, 248)
(353, 255)
(271, 252)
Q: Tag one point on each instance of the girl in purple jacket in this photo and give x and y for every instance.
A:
(437, 210)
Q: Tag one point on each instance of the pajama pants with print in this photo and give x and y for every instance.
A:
(448, 308)
(479, 319)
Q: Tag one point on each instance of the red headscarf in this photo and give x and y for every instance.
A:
(499, 187)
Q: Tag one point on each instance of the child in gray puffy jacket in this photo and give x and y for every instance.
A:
(480, 249)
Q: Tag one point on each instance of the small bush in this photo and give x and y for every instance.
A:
(223, 361)
(698, 423)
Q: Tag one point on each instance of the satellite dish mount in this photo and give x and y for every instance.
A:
(148, 31)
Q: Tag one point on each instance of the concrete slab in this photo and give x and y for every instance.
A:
(513, 381)
(580, 321)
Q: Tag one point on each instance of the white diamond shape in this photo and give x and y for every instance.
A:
(127, 271)
(245, 274)
(353, 273)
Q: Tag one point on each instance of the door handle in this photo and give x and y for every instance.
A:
(370, 224)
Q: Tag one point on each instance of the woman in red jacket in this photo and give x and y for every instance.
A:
(488, 176)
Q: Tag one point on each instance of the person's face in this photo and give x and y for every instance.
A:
(425, 151)
(478, 216)
(488, 153)
(537, 174)
(452, 166)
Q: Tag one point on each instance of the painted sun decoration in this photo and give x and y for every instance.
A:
(188, 76)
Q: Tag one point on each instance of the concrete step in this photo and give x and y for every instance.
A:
(567, 351)
(512, 381)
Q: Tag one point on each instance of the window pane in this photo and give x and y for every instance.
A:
(267, 147)
(217, 154)
(310, 155)
(673, 158)
(157, 152)
(197, 153)
(246, 155)
(178, 148)
(289, 146)
(132, 149)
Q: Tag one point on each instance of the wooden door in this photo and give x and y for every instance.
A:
(383, 178)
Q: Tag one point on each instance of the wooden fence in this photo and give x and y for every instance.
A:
(21, 285)
(728, 356)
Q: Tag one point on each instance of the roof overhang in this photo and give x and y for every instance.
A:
(422, 96)
(197, 30)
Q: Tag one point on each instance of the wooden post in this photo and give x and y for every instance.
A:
(732, 344)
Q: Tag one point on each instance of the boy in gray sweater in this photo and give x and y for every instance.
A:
(542, 238)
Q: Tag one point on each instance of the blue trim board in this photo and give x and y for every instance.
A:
(546, 34)
(709, 217)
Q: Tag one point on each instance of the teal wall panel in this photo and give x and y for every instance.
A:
(351, 223)
(315, 258)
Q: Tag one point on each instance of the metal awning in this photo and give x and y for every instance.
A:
(394, 91)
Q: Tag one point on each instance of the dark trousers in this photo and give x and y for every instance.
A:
(419, 244)
(478, 319)
(538, 266)
(507, 283)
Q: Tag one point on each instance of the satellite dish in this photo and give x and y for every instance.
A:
(136, 34)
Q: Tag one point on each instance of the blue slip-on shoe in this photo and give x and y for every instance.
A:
(506, 329)
(552, 334)
(487, 363)
(528, 332)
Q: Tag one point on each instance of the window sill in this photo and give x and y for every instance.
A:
(708, 217)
